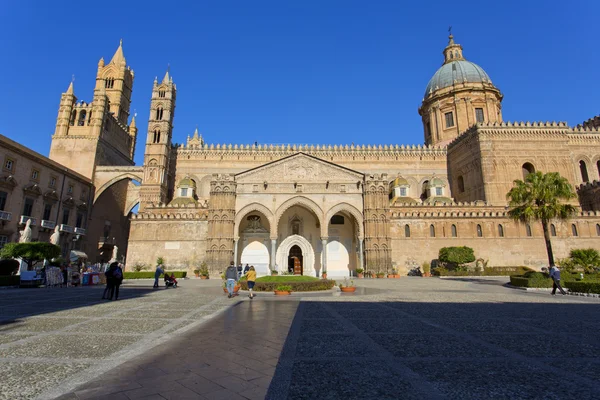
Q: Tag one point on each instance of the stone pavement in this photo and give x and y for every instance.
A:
(52, 340)
(408, 338)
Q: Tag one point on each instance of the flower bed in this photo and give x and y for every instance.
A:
(487, 271)
(150, 274)
(297, 286)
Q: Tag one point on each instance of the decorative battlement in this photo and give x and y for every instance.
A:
(588, 186)
(593, 122)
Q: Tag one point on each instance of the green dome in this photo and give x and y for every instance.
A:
(435, 182)
(399, 181)
(187, 182)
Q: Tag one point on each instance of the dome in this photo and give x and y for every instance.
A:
(187, 182)
(435, 182)
(399, 181)
(459, 71)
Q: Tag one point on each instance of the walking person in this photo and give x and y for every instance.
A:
(246, 269)
(239, 270)
(555, 275)
(117, 280)
(159, 271)
(251, 277)
(231, 275)
(110, 281)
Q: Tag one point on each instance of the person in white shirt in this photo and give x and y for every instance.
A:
(555, 275)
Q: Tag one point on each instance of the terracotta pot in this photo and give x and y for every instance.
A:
(272, 274)
(282, 293)
(360, 276)
(197, 274)
(324, 276)
(203, 277)
(426, 274)
(348, 289)
(391, 276)
(380, 276)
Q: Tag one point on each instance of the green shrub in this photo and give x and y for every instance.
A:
(535, 280)
(8, 267)
(140, 267)
(10, 280)
(583, 286)
(150, 275)
(319, 284)
(588, 259)
(284, 288)
(456, 255)
(287, 278)
(487, 271)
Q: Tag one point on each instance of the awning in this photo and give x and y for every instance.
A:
(76, 255)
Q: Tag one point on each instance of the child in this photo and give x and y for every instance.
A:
(251, 276)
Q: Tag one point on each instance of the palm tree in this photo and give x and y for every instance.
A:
(539, 198)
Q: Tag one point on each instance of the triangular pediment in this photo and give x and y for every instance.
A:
(299, 167)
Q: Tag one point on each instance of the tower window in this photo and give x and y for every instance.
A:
(583, 170)
(81, 120)
(73, 117)
(528, 230)
(109, 83)
(479, 115)
(552, 230)
(161, 93)
(574, 230)
(438, 191)
(156, 138)
(449, 117)
(454, 232)
(28, 207)
(184, 192)
(406, 230)
(159, 113)
(500, 230)
(431, 230)
(461, 184)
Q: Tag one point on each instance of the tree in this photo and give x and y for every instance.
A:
(31, 253)
(539, 198)
(589, 259)
(456, 255)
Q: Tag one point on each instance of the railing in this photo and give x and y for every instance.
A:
(80, 231)
(66, 228)
(5, 216)
(48, 224)
(24, 218)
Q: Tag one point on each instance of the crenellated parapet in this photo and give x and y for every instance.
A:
(593, 122)
(589, 196)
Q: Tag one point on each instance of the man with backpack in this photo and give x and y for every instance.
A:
(117, 280)
(231, 277)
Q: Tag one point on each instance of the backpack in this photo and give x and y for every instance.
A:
(118, 274)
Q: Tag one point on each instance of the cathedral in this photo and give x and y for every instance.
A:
(333, 208)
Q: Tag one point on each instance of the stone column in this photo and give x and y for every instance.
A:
(361, 260)
(324, 253)
(235, 251)
(273, 252)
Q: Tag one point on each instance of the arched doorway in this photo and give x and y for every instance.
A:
(256, 254)
(295, 260)
(307, 251)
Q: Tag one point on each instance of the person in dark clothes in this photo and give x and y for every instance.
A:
(246, 269)
(117, 276)
(110, 281)
(555, 275)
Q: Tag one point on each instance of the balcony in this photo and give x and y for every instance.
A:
(5, 216)
(24, 218)
(106, 241)
(80, 231)
(47, 224)
(66, 228)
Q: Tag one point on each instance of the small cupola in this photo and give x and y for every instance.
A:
(453, 52)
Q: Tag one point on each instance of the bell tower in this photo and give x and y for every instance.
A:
(157, 156)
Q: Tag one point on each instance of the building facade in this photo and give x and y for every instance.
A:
(334, 208)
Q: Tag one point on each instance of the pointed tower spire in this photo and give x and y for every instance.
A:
(196, 133)
(167, 78)
(70, 90)
(118, 58)
(132, 124)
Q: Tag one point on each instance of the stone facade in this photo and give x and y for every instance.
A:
(324, 208)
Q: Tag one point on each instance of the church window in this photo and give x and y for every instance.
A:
(406, 230)
(403, 192)
(597, 229)
(574, 230)
(552, 230)
(184, 192)
(337, 220)
(28, 207)
(438, 191)
(73, 117)
(583, 169)
(3, 198)
(159, 113)
(109, 83)
(47, 211)
(66, 214)
(156, 138)
(479, 115)
(461, 184)
(528, 230)
(70, 189)
(479, 231)
(527, 169)
(431, 230)
(500, 230)
(449, 117)
(81, 120)
(454, 232)
(79, 220)
(161, 93)
(35, 174)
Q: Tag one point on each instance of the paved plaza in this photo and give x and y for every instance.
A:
(411, 338)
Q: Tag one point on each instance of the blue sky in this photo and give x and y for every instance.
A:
(296, 71)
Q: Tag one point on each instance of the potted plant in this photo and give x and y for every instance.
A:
(347, 286)
(197, 272)
(380, 275)
(274, 272)
(394, 274)
(283, 290)
(324, 275)
(359, 273)
(373, 275)
(203, 270)
(426, 269)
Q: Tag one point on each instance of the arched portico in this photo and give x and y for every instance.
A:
(308, 254)
(297, 201)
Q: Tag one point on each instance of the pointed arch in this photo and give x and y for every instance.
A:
(244, 211)
(349, 208)
(299, 201)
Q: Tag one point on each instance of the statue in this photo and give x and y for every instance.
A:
(115, 253)
(26, 233)
(55, 237)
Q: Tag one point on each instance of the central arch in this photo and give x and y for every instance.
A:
(298, 201)
(308, 254)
